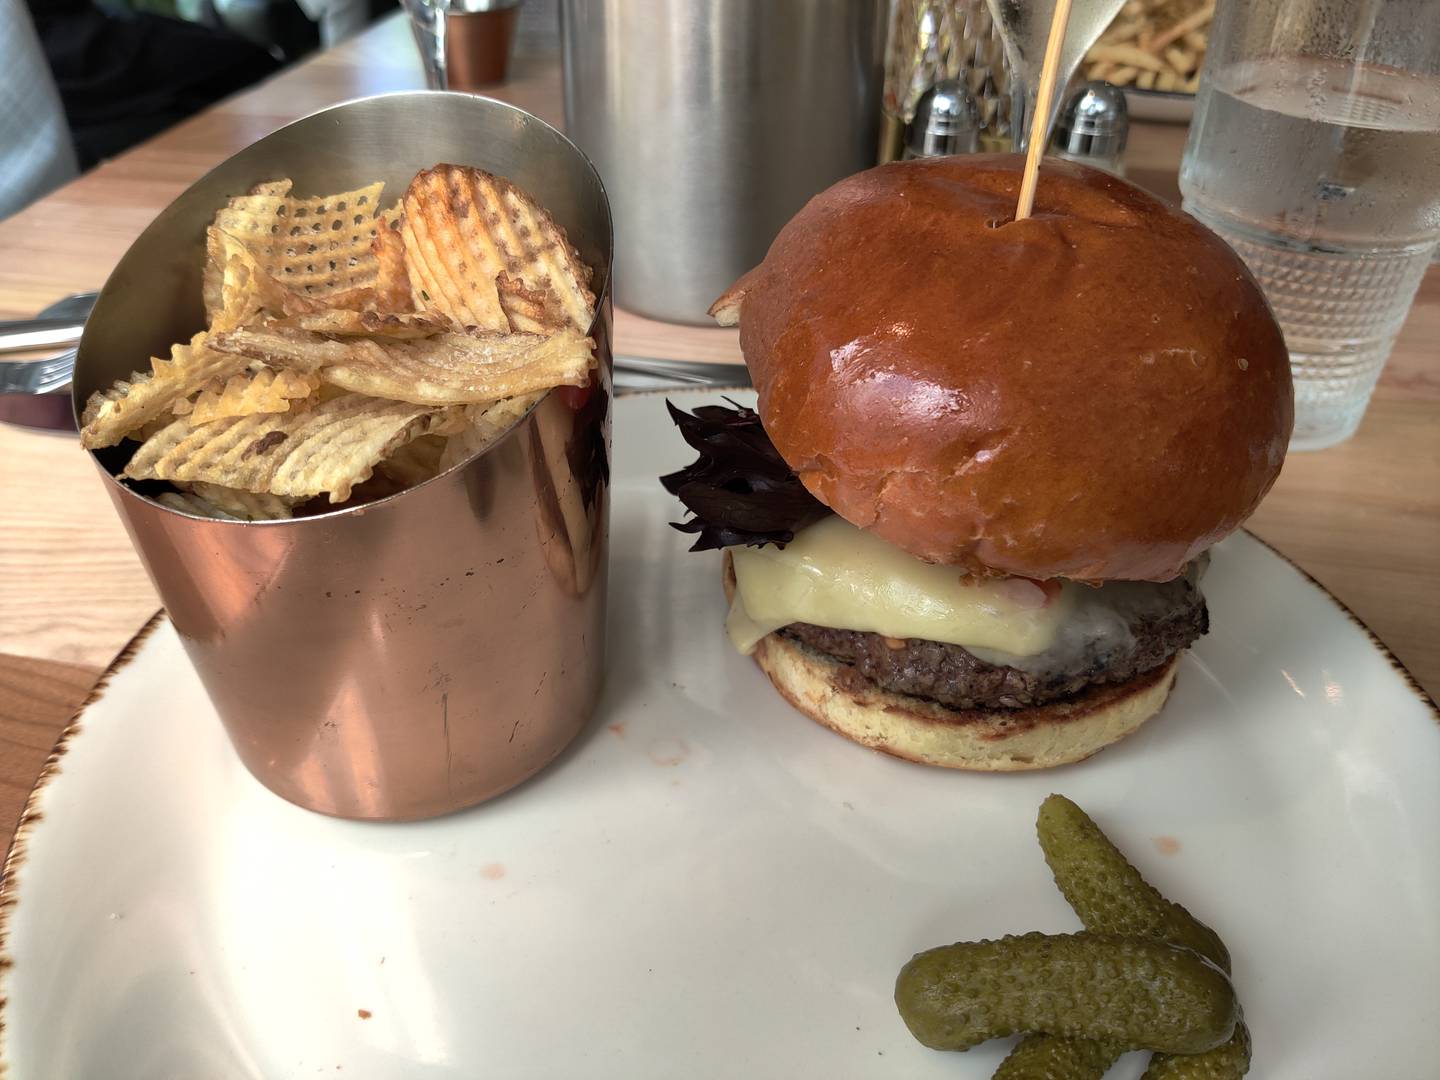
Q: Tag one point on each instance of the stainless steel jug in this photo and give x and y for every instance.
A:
(711, 122)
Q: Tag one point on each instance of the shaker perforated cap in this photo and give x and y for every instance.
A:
(1094, 123)
(947, 121)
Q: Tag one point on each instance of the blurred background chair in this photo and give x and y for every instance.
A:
(84, 80)
(36, 154)
(330, 21)
(124, 75)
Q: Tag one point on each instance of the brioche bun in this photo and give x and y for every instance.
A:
(983, 740)
(1099, 391)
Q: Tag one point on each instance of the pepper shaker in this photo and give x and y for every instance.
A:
(947, 121)
(1093, 127)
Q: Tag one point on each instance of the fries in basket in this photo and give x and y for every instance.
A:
(1154, 45)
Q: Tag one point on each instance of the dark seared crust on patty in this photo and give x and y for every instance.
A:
(952, 676)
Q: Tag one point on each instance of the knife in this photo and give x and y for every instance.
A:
(20, 335)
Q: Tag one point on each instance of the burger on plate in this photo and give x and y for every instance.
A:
(968, 524)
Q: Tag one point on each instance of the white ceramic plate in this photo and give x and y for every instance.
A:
(708, 884)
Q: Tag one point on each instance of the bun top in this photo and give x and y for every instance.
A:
(1097, 392)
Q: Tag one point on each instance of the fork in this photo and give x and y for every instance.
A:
(48, 376)
(37, 376)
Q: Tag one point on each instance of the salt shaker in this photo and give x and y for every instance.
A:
(947, 121)
(1092, 128)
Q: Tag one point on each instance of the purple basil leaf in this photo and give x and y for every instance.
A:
(739, 490)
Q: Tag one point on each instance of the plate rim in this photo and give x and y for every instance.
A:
(30, 814)
(30, 810)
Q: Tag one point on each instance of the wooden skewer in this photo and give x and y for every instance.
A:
(1040, 122)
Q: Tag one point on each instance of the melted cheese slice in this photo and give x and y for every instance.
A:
(833, 574)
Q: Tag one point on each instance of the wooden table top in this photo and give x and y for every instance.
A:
(1363, 518)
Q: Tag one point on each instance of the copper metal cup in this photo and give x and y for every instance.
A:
(479, 38)
(425, 652)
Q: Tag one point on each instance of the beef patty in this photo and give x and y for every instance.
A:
(1171, 618)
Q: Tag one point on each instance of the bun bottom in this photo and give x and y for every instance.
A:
(985, 740)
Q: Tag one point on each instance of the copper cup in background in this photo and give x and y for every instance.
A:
(479, 38)
(428, 651)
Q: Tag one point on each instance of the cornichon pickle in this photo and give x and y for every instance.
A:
(1110, 896)
(1097, 986)
(1107, 892)
(1228, 1061)
(1054, 1057)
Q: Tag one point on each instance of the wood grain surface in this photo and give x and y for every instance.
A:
(1363, 518)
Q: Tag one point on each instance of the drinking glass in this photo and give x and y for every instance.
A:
(1315, 152)
(464, 44)
(427, 23)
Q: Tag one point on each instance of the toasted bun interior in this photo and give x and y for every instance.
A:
(1000, 740)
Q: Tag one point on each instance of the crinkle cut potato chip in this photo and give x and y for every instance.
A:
(339, 322)
(484, 424)
(392, 279)
(192, 504)
(249, 505)
(351, 350)
(234, 286)
(481, 251)
(243, 290)
(446, 369)
(327, 449)
(417, 462)
(227, 504)
(216, 255)
(264, 391)
(318, 247)
(442, 280)
(129, 405)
